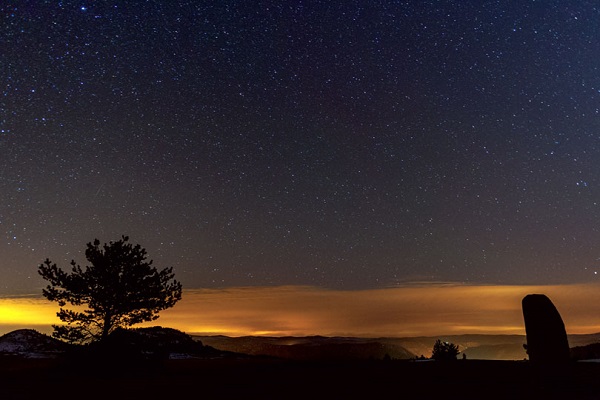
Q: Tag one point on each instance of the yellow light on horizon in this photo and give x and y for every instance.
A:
(24, 311)
(303, 311)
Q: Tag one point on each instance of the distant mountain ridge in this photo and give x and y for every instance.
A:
(310, 347)
(166, 342)
(474, 346)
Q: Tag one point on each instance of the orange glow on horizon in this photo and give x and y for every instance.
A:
(423, 310)
(414, 310)
(27, 312)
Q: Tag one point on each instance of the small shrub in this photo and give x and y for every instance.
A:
(444, 351)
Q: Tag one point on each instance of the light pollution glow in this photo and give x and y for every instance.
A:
(414, 310)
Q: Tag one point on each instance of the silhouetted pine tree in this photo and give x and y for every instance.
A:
(120, 288)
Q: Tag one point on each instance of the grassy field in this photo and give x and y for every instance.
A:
(275, 379)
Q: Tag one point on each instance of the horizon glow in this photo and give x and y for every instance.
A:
(409, 311)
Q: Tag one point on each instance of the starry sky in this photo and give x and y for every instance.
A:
(343, 145)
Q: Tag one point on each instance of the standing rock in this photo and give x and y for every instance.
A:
(546, 335)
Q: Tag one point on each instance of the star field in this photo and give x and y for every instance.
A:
(345, 145)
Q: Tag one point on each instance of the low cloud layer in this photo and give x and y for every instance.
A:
(416, 310)
(404, 311)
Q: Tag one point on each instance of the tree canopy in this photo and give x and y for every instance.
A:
(119, 288)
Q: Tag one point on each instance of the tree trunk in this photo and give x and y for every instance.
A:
(106, 326)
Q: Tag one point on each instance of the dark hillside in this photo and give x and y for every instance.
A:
(476, 347)
(153, 343)
(30, 343)
(589, 352)
(311, 347)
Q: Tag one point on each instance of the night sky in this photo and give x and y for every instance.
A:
(345, 145)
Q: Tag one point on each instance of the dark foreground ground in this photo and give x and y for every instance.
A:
(272, 379)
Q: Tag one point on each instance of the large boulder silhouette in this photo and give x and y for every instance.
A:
(546, 335)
